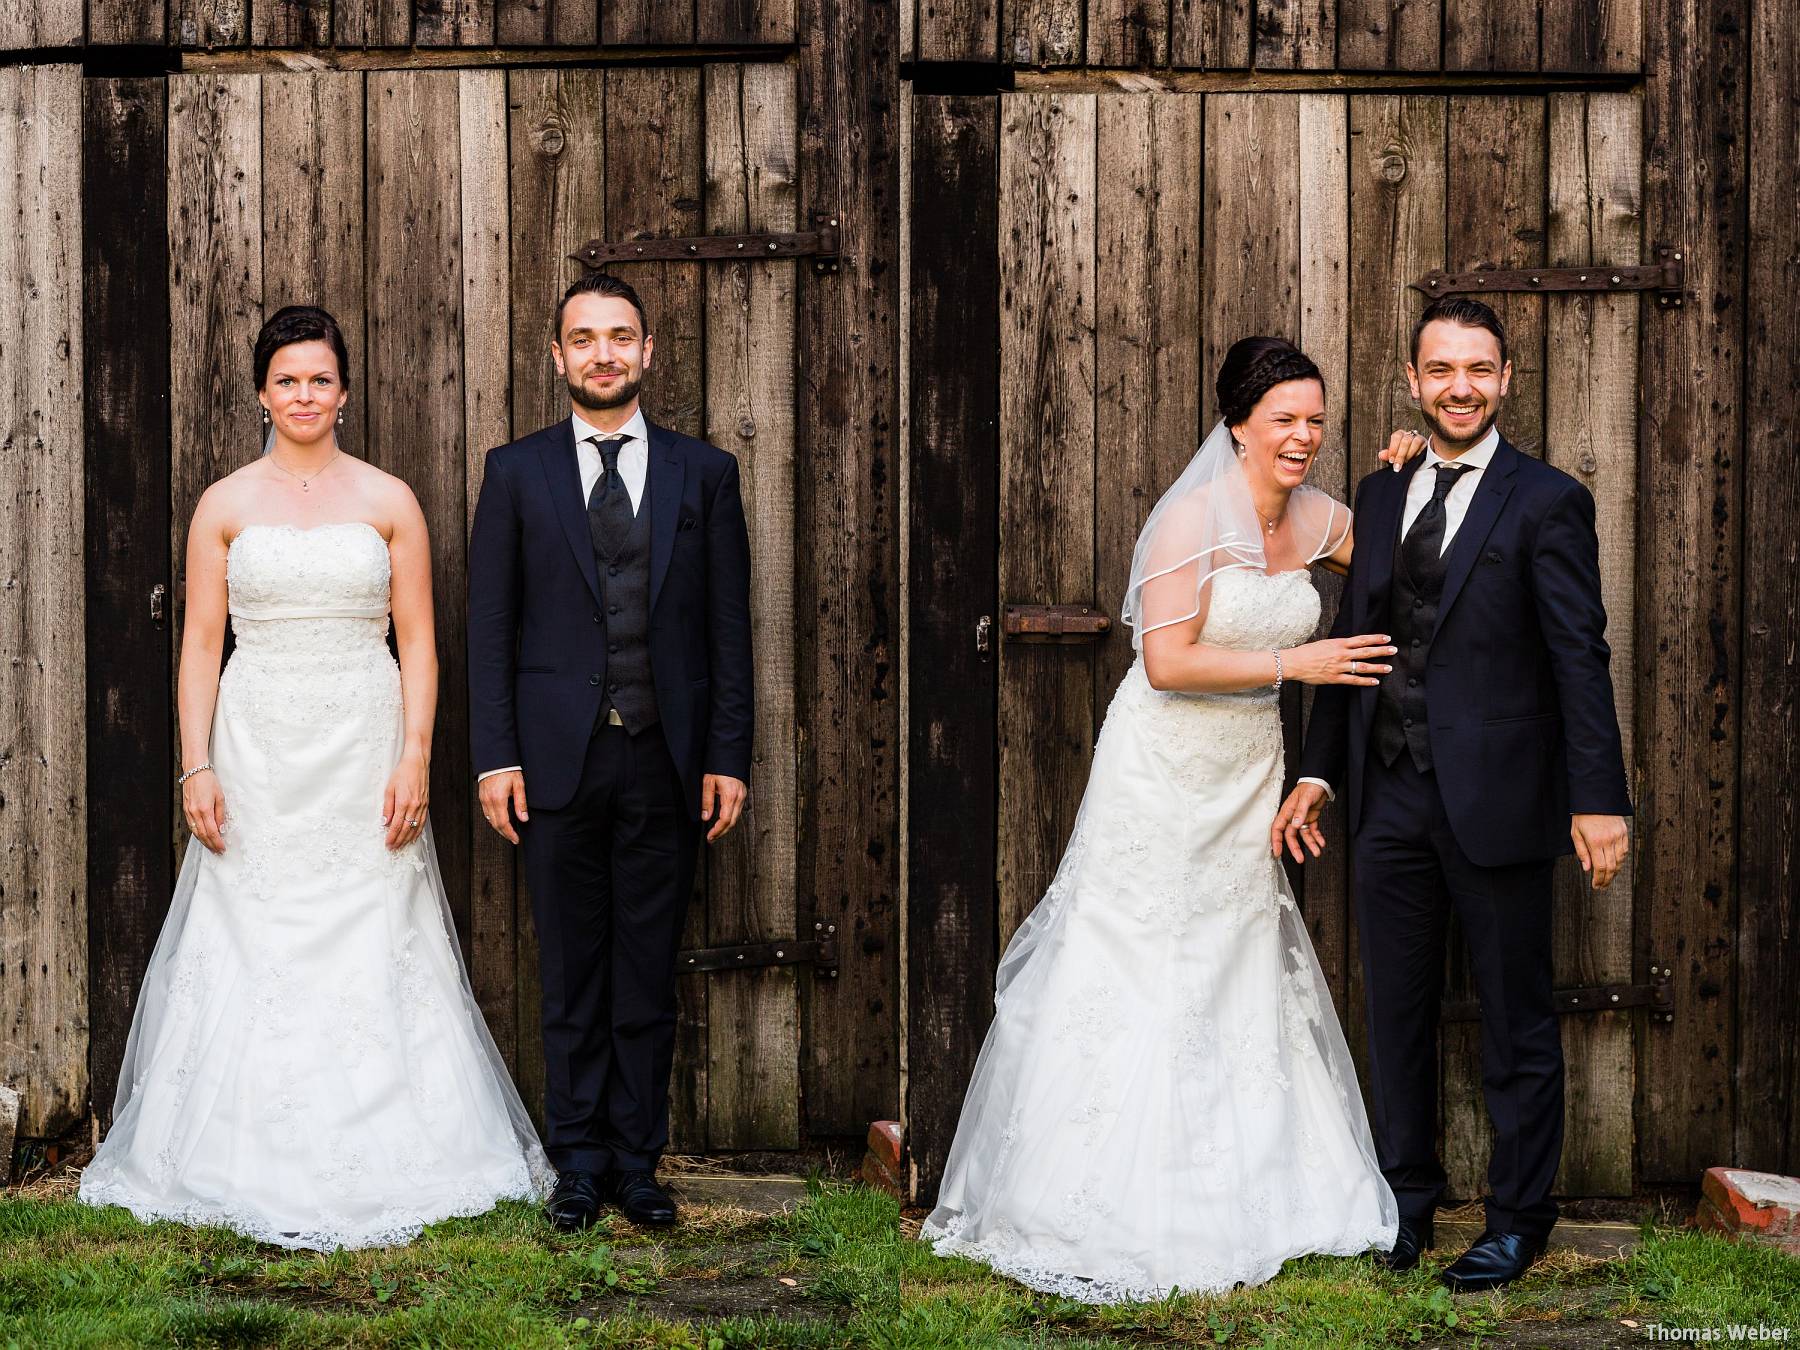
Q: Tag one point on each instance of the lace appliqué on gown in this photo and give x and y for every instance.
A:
(306, 1064)
(1165, 1100)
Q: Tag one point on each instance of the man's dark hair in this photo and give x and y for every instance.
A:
(298, 323)
(1459, 309)
(1252, 367)
(600, 283)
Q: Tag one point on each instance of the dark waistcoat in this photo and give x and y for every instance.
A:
(622, 557)
(1412, 614)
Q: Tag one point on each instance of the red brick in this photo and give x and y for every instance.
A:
(884, 1143)
(1761, 1206)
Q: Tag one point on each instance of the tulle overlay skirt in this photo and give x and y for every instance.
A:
(1165, 1100)
(306, 1064)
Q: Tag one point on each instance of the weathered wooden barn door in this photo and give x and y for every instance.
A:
(435, 214)
(1137, 236)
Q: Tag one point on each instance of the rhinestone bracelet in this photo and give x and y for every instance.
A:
(199, 768)
(1278, 670)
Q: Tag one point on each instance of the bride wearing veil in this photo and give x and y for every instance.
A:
(1165, 1100)
(306, 1064)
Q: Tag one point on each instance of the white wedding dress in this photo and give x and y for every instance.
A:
(306, 1064)
(1165, 1100)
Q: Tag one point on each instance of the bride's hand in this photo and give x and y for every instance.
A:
(404, 803)
(204, 807)
(1402, 446)
(1351, 660)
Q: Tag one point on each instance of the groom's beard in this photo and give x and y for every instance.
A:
(1449, 442)
(623, 393)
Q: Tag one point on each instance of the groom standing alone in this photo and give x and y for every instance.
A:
(609, 675)
(1490, 748)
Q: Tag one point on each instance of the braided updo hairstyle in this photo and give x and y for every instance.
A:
(1252, 367)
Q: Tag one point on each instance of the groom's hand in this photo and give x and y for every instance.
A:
(1297, 822)
(1600, 843)
(502, 797)
(722, 802)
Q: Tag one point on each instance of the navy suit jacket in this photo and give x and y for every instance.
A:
(1518, 690)
(537, 628)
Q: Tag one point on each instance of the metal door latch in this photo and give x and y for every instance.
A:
(1054, 623)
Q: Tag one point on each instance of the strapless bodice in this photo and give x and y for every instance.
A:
(296, 592)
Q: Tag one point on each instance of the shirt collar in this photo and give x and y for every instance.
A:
(1476, 458)
(636, 428)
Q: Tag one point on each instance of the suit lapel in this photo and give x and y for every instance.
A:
(665, 478)
(563, 475)
(1382, 531)
(1490, 495)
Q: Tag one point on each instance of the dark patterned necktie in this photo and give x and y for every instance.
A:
(1424, 542)
(609, 505)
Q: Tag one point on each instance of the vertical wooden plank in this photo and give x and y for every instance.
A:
(645, 23)
(557, 154)
(955, 406)
(652, 188)
(1490, 37)
(1591, 389)
(555, 163)
(1389, 35)
(1496, 217)
(487, 422)
(415, 404)
(958, 30)
(1042, 32)
(125, 263)
(1397, 233)
(1131, 33)
(848, 583)
(1213, 34)
(1324, 175)
(43, 690)
(312, 139)
(290, 23)
(1047, 465)
(453, 23)
(126, 23)
(364, 23)
(1768, 1107)
(28, 24)
(753, 1075)
(1252, 225)
(215, 232)
(1147, 339)
(522, 23)
(1593, 36)
(744, 21)
(1495, 211)
(1690, 459)
(209, 23)
(1296, 34)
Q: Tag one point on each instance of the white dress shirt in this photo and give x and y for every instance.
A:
(634, 467)
(634, 456)
(1456, 505)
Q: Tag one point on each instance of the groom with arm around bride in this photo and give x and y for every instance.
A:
(610, 712)
(1490, 748)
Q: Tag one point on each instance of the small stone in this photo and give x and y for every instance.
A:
(9, 1128)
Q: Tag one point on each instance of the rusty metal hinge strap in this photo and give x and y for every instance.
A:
(820, 244)
(1054, 623)
(818, 952)
(1667, 277)
(1656, 996)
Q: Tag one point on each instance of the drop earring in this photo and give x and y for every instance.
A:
(265, 417)
(340, 417)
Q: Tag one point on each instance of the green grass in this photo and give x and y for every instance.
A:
(1675, 1278)
(76, 1277)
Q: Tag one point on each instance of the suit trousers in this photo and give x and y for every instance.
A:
(610, 877)
(1409, 875)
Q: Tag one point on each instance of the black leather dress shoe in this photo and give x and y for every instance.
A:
(640, 1199)
(575, 1203)
(1494, 1260)
(1414, 1237)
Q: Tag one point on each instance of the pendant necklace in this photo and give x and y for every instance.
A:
(306, 482)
